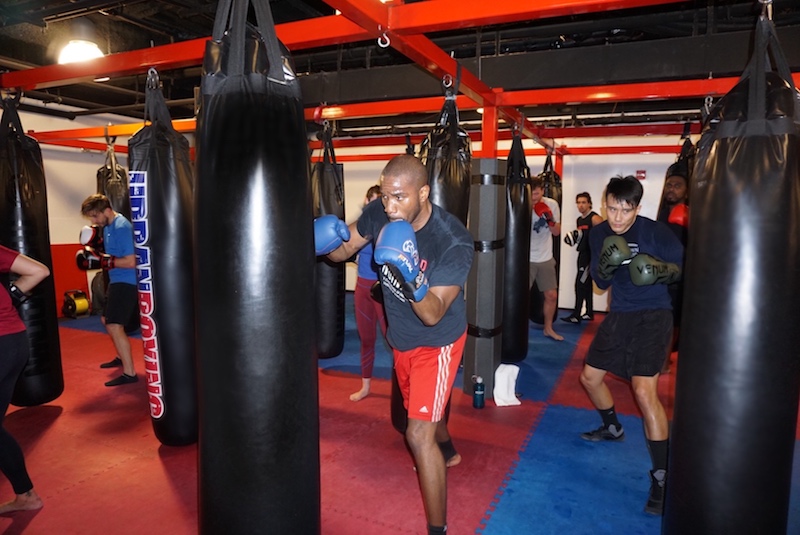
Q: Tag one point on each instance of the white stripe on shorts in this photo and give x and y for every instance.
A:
(442, 377)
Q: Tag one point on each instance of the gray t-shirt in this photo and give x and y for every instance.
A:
(446, 250)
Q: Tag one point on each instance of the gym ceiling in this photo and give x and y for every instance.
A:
(547, 66)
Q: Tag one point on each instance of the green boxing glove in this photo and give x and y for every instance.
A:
(646, 270)
(615, 251)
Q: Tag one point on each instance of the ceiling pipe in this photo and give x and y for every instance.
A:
(134, 107)
(50, 112)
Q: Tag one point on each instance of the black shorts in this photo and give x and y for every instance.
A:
(632, 343)
(122, 305)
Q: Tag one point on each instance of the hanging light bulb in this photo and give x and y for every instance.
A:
(82, 46)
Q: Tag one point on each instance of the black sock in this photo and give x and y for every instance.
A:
(448, 450)
(658, 453)
(609, 417)
(437, 530)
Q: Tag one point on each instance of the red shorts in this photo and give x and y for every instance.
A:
(426, 376)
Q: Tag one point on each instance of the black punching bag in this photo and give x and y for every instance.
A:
(161, 185)
(551, 187)
(738, 382)
(258, 454)
(516, 298)
(112, 181)
(327, 183)
(24, 228)
(447, 155)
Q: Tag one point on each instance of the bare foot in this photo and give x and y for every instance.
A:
(29, 501)
(552, 334)
(454, 460)
(361, 394)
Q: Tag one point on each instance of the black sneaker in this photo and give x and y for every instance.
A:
(122, 380)
(115, 363)
(587, 317)
(571, 319)
(655, 500)
(611, 433)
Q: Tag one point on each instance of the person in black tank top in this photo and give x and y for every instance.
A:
(584, 291)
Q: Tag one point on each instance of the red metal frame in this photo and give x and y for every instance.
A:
(402, 26)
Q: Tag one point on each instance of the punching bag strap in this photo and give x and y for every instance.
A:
(548, 164)
(11, 123)
(409, 145)
(266, 27)
(111, 156)
(329, 160)
(155, 107)
(232, 17)
(328, 156)
(518, 171)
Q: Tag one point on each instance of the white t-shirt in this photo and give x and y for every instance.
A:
(541, 238)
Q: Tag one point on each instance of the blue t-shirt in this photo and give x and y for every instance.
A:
(644, 236)
(446, 250)
(118, 241)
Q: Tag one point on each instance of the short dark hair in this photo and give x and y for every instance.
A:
(373, 190)
(409, 167)
(586, 196)
(95, 203)
(537, 183)
(626, 189)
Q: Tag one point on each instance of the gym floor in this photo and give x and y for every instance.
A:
(97, 465)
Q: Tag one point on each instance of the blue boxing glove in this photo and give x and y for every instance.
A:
(329, 233)
(396, 252)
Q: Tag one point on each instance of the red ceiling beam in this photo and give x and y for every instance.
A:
(622, 92)
(322, 31)
(182, 125)
(385, 108)
(666, 129)
(578, 151)
(87, 145)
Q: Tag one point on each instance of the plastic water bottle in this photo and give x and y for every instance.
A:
(478, 391)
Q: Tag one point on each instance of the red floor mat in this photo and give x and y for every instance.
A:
(94, 460)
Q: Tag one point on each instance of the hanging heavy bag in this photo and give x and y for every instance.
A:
(161, 188)
(516, 297)
(447, 155)
(24, 227)
(552, 188)
(258, 454)
(112, 181)
(738, 382)
(327, 183)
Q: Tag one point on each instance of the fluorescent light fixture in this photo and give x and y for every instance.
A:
(79, 50)
(83, 43)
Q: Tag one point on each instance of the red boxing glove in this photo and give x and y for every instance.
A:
(542, 210)
(679, 215)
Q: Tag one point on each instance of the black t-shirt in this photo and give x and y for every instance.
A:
(584, 224)
(644, 236)
(446, 250)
